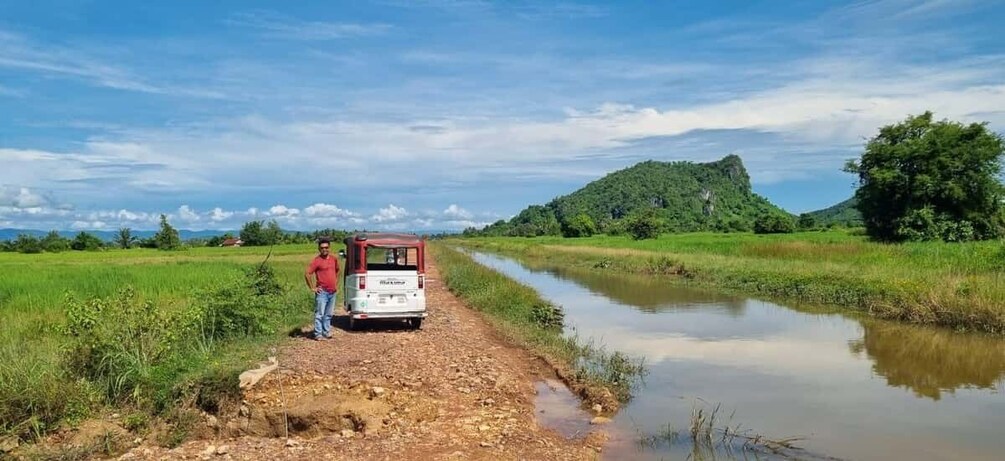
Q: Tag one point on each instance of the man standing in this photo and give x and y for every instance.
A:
(325, 268)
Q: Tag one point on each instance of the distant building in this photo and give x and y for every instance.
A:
(232, 243)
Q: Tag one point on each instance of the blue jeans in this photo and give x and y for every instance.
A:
(324, 303)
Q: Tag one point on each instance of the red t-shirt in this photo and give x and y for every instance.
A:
(326, 272)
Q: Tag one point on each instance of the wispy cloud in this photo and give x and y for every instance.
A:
(18, 52)
(884, 10)
(279, 26)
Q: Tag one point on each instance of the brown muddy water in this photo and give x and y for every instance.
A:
(849, 388)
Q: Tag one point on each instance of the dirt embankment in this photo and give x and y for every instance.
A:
(454, 390)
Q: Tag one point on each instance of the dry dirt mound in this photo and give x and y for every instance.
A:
(453, 390)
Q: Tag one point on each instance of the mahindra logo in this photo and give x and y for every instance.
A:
(391, 282)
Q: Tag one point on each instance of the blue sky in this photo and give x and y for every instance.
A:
(443, 114)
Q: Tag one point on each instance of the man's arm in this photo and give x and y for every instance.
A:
(311, 269)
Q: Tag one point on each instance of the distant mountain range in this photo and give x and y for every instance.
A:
(10, 234)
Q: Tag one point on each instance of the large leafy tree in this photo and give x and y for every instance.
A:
(167, 237)
(925, 180)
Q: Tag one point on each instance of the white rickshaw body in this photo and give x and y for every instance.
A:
(385, 277)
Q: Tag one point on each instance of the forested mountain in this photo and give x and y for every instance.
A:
(842, 214)
(686, 196)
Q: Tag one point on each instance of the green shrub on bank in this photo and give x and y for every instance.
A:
(145, 354)
(133, 349)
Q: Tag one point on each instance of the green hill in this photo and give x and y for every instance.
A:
(842, 214)
(688, 196)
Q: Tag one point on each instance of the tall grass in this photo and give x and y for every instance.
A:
(959, 285)
(137, 328)
(519, 312)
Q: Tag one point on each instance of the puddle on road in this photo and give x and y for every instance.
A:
(558, 409)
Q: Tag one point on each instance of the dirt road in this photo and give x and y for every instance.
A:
(454, 390)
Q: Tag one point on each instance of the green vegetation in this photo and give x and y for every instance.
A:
(520, 313)
(86, 242)
(843, 214)
(685, 196)
(925, 180)
(959, 285)
(775, 223)
(167, 238)
(142, 331)
(644, 224)
(259, 233)
(125, 240)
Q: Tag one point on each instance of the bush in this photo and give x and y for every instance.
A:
(117, 342)
(86, 242)
(646, 224)
(807, 221)
(135, 350)
(25, 243)
(773, 223)
(546, 315)
(581, 225)
(54, 243)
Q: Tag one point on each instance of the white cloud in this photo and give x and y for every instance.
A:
(457, 212)
(88, 225)
(390, 214)
(316, 216)
(186, 214)
(283, 211)
(324, 210)
(218, 214)
(21, 197)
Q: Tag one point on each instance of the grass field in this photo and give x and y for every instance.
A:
(959, 285)
(42, 294)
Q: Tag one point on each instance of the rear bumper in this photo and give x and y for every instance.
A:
(388, 315)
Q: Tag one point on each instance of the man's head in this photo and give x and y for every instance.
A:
(324, 247)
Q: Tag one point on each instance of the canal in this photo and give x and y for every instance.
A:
(848, 388)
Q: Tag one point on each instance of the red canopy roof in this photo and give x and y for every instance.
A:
(386, 239)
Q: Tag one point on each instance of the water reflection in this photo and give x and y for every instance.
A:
(931, 361)
(784, 371)
(649, 294)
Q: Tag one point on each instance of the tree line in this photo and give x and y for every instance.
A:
(252, 233)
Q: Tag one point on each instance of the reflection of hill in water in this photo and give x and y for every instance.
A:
(931, 361)
(649, 294)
